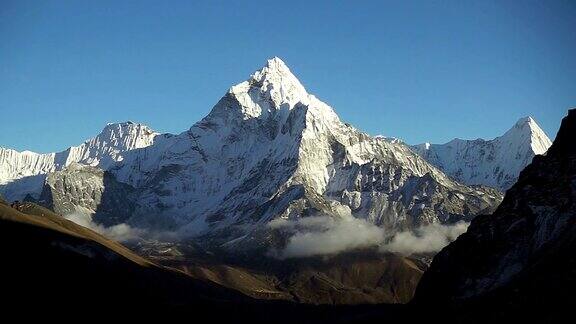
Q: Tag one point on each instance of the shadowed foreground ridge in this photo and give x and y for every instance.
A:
(46, 257)
(518, 262)
(59, 268)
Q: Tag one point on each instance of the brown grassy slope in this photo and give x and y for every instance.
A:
(346, 279)
(33, 214)
(55, 269)
(52, 260)
(357, 277)
(353, 278)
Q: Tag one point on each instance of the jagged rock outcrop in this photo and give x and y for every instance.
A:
(518, 262)
(89, 190)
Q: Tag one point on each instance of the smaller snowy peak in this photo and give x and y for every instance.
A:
(123, 126)
(108, 146)
(524, 125)
(126, 135)
(514, 252)
(495, 162)
(526, 130)
(127, 125)
(526, 121)
(103, 151)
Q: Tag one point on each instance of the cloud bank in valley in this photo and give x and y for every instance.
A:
(316, 235)
(120, 232)
(325, 236)
(425, 239)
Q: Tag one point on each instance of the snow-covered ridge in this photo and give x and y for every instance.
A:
(102, 150)
(496, 163)
(267, 150)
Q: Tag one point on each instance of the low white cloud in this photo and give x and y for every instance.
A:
(323, 235)
(120, 232)
(315, 235)
(425, 239)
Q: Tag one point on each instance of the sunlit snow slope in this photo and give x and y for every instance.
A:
(495, 163)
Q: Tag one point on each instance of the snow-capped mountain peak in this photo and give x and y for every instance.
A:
(267, 150)
(120, 137)
(514, 253)
(103, 151)
(107, 147)
(282, 83)
(526, 130)
(497, 162)
(269, 89)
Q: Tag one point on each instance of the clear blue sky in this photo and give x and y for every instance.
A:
(417, 70)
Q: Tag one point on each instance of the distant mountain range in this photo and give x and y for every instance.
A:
(268, 150)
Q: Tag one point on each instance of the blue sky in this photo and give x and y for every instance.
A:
(417, 70)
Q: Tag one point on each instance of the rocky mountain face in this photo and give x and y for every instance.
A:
(23, 173)
(80, 188)
(495, 163)
(519, 260)
(267, 150)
